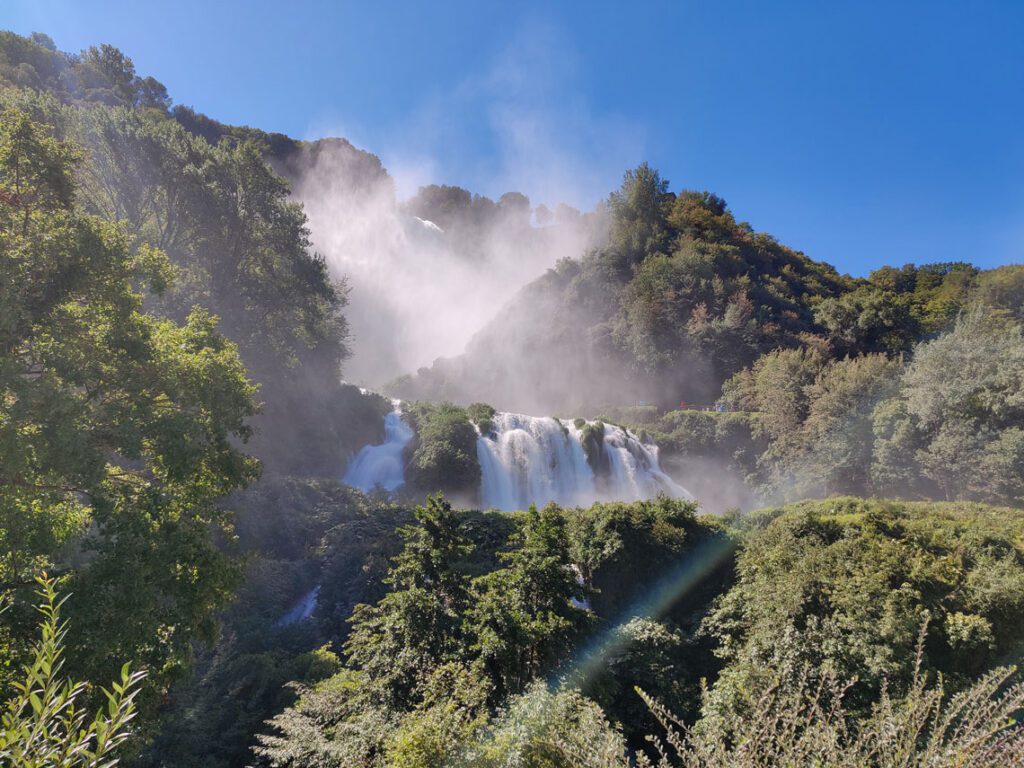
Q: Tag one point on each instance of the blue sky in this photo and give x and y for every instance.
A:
(861, 133)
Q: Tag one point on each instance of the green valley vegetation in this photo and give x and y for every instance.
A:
(174, 427)
(847, 608)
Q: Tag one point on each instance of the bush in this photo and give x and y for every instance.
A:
(546, 729)
(481, 414)
(810, 724)
(443, 454)
(842, 586)
(44, 722)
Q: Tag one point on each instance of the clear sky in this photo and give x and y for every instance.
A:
(861, 133)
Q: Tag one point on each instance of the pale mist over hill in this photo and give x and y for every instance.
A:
(424, 274)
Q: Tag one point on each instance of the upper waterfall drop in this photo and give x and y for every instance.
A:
(382, 465)
(529, 460)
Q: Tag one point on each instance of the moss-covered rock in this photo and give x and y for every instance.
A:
(481, 414)
(592, 439)
(442, 456)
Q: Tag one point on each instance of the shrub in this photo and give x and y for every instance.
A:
(481, 414)
(45, 724)
(809, 724)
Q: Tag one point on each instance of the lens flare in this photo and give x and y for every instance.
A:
(692, 568)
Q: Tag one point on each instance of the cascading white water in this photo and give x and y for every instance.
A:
(532, 460)
(635, 472)
(381, 465)
(528, 460)
(302, 609)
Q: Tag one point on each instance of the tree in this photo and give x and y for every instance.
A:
(810, 723)
(444, 458)
(1002, 290)
(547, 729)
(225, 220)
(105, 67)
(959, 409)
(639, 208)
(622, 549)
(119, 431)
(515, 206)
(454, 708)
(440, 203)
(417, 626)
(527, 616)
(842, 587)
(776, 387)
(331, 726)
(869, 320)
(44, 722)
(656, 658)
(839, 428)
(702, 216)
(545, 217)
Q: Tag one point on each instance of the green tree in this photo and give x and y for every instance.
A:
(433, 735)
(225, 220)
(959, 414)
(623, 548)
(331, 726)
(444, 458)
(838, 433)
(639, 209)
(843, 586)
(544, 728)
(417, 626)
(809, 722)
(118, 430)
(656, 658)
(527, 616)
(869, 320)
(1002, 290)
(776, 388)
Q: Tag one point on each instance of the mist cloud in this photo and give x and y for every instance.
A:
(417, 293)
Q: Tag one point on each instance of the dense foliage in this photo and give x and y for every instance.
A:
(118, 429)
(680, 298)
(446, 658)
(203, 194)
(125, 402)
(826, 615)
(809, 724)
(945, 424)
(843, 586)
(442, 457)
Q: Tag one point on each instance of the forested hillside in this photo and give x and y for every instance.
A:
(682, 297)
(175, 433)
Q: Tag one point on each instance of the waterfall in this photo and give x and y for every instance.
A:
(529, 460)
(635, 473)
(302, 609)
(381, 465)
